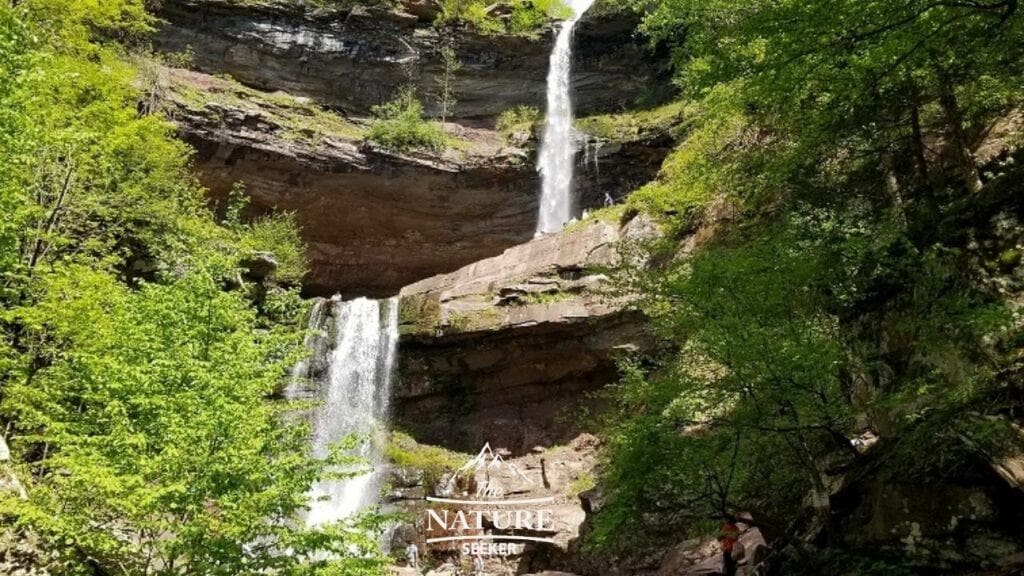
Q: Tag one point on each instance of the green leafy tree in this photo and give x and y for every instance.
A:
(525, 17)
(878, 81)
(843, 219)
(135, 371)
(757, 381)
(160, 453)
(767, 374)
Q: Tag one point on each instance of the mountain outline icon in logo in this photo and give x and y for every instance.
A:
(489, 490)
(487, 514)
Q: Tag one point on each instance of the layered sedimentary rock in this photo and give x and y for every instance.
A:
(355, 59)
(373, 220)
(376, 220)
(505, 350)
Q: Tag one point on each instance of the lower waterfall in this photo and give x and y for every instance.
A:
(354, 397)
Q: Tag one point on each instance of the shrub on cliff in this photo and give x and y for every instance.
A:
(520, 17)
(518, 119)
(399, 125)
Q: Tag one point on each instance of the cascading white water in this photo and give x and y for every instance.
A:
(557, 150)
(355, 399)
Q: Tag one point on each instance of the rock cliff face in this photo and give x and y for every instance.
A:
(505, 350)
(358, 59)
(373, 220)
(499, 347)
(376, 220)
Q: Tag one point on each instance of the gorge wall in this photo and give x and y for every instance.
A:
(352, 60)
(376, 220)
(504, 338)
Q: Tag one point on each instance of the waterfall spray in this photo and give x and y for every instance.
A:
(355, 399)
(557, 149)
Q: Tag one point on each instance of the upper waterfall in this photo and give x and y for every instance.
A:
(557, 149)
(355, 397)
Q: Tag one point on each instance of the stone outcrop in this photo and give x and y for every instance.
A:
(955, 525)
(504, 350)
(25, 554)
(354, 60)
(375, 220)
(703, 557)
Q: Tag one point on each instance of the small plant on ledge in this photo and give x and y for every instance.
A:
(399, 125)
(520, 120)
(513, 17)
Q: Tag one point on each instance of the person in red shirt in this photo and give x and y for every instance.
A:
(728, 534)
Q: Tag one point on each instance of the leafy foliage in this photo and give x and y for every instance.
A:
(756, 404)
(530, 15)
(759, 370)
(321, 6)
(525, 17)
(868, 78)
(135, 380)
(434, 461)
(399, 125)
(635, 123)
(711, 162)
(519, 118)
(848, 274)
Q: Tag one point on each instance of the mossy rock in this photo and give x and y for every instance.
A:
(419, 314)
(433, 461)
(484, 319)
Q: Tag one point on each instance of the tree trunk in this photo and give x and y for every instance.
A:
(40, 247)
(958, 138)
(919, 150)
(931, 204)
(892, 186)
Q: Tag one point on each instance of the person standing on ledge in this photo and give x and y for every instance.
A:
(412, 554)
(728, 534)
(478, 564)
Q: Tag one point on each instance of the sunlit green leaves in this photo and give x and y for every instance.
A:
(135, 370)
